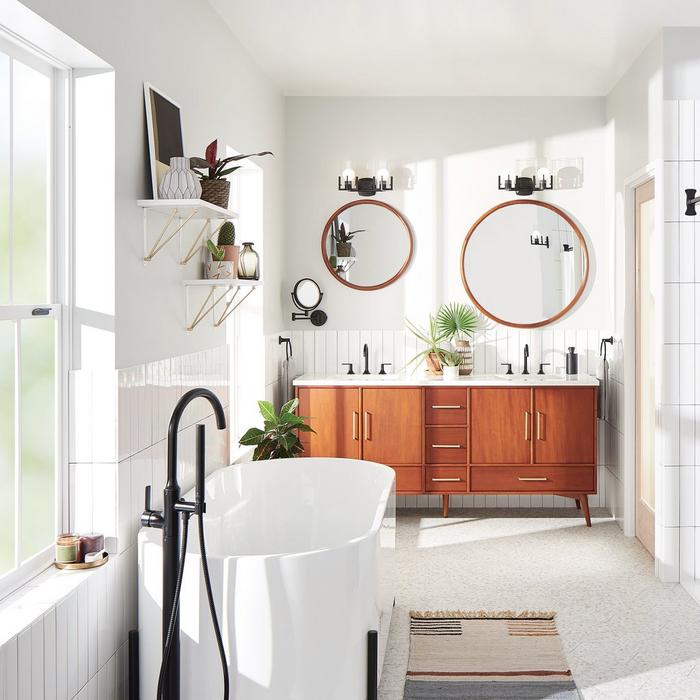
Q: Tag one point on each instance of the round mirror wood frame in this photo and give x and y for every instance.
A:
(574, 228)
(376, 203)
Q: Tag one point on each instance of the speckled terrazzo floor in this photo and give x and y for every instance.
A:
(626, 635)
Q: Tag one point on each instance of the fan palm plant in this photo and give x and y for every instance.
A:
(457, 320)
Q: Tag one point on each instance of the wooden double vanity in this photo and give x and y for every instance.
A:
(480, 435)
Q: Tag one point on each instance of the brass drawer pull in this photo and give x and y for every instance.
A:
(527, 425)
(368, 431)
(540, 420)
(448, 447)
(355, 424)
(532, 478)
(447, 406)
(445, 478)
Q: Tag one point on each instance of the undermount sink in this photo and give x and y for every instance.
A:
(534, 378)
(368, 377)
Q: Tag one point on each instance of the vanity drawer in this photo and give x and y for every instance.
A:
(409, 479)
(446, 406)
(446, 445)
(532, 479)
(445, 479)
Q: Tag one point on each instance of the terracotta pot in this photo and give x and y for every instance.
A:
(231, 253)
(434, 365)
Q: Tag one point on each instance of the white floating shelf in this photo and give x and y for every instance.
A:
(203, 210)
(219, 290)
(179, 212)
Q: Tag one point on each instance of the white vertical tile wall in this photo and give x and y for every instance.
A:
(65, 636)
(678, 533)
(323, 352)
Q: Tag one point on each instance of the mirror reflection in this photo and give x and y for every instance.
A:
(367, 245)
(525, 263)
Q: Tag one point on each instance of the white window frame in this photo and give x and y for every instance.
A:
(59, 304)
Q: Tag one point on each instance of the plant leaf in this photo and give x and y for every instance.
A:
(251, 437)
(200, 163)
(289, 406)
(212, 149)
(223, 173)
(268, 411)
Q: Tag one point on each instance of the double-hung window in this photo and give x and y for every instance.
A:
(32, 293)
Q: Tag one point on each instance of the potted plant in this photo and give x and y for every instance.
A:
(218, 268)
(279, 437)
(343, 238)
(212, 172)
(451, 360)
(458, 322)
(433, 339)
(227, 241)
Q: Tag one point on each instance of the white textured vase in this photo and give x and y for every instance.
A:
(180, 182)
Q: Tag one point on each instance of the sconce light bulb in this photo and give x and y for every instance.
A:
(348, 175)
(382, 175)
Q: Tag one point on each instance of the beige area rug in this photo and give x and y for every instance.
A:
(457, 655)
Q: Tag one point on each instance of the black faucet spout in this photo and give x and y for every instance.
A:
(526, 354)
(365, 355)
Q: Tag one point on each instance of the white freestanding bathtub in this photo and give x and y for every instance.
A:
(301, 559)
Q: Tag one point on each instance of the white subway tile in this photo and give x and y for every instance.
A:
(686, 301)
(670, 389)
(671, 313)
(686, 429)
(686, 394)
(668, 553)
(686, 251)
(671, 192)
(670, 434)
(687, 555)
(686, 180)
(671, 131)
(24, 665)
(686, 496)
(62, 651)
(83, 609)
(50, 654)
(672, 251)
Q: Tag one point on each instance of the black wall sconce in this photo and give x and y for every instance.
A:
(567, 248)
(365, 186)
(539, 239)
(525, 186)
(690, 201)
(306, 296)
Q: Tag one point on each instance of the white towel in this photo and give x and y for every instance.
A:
(601, 373)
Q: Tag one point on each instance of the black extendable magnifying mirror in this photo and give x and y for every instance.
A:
(306, 296)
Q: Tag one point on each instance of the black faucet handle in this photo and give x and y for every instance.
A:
(542, 366)
(509, 365)
(348, 364)
(147, 498)
(382, 366)
(150, 517)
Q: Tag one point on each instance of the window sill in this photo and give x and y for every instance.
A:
(35, 598)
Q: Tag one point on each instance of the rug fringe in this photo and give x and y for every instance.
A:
(483, 614)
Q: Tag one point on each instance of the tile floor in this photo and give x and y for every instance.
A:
(626, 635)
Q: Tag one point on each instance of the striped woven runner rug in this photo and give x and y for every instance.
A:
(480, 655)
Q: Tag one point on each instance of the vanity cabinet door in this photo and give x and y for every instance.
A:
(392, 425)
(565, 425)
(501, 425)
(334, 413)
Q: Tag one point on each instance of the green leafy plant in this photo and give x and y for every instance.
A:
(451, 358)
(340, 235)
(433, 339)
(458, 320)
(279, 438)
(216, 252)
(212, 168)
(227, 234)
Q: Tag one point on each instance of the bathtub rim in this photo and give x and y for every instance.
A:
(151, 535)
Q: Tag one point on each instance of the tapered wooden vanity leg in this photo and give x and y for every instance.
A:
(445, 505)
(586, 510)
(578, 503)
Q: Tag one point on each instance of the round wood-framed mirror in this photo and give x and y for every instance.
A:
(525, 264)
(367, 245)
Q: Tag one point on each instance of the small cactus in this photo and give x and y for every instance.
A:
(227, 234)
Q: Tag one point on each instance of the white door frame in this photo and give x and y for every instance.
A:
(652, 170)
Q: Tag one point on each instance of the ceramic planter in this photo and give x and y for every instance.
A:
(466, 366)
(219, 270)
(450, 373)
(180, 182)
(344, 250)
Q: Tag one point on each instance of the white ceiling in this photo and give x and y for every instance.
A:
(449, 47)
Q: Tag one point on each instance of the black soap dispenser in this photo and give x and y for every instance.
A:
(571, 361)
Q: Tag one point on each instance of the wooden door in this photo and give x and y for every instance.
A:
(334, 413)
(565, 425)
(501, 425)
(392, 425)
(645, 404)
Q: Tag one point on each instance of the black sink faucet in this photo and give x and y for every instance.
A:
(365, 355)
(526, 354)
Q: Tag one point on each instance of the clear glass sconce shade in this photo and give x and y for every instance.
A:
(248, 263)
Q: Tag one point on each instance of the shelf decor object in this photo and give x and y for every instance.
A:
(218, 293)
(179, 182)
(178, 213)
(248, 263)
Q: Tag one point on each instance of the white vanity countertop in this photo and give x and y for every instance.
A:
(472, 380)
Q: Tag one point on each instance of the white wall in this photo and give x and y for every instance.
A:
(634, 140)
(458, 147)
(184, 49)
